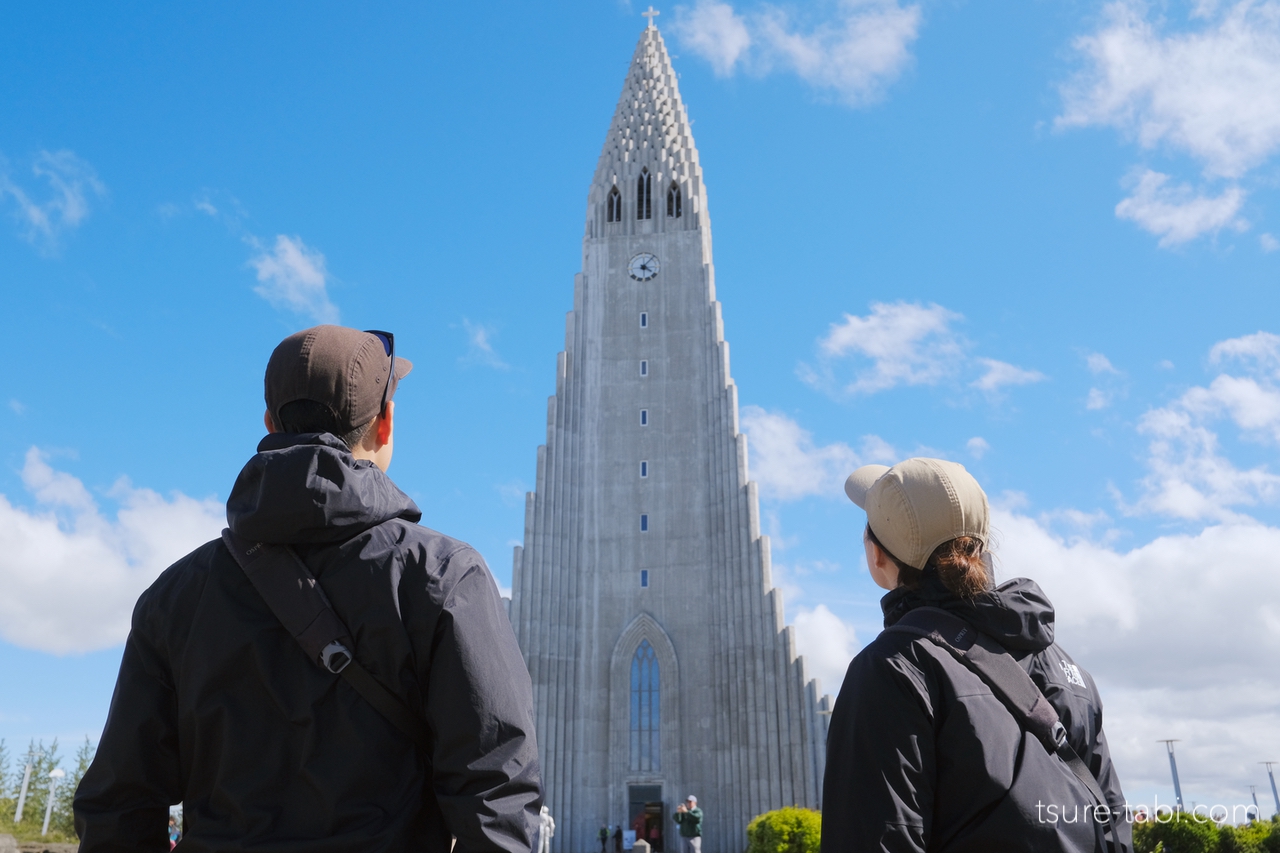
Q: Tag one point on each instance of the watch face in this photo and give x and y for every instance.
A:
(643, 267)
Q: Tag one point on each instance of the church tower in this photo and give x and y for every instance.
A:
(641, 596)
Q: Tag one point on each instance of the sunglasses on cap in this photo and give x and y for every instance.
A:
(389, 347)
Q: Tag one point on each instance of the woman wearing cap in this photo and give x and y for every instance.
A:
(921, 754)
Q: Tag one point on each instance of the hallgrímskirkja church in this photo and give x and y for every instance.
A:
(642, 597)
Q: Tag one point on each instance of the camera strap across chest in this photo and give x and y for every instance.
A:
(1010, 683)
(291, 592)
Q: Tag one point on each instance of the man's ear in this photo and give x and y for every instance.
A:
(268, 422)
(386, 424)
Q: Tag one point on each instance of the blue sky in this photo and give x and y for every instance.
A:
(1036, 238)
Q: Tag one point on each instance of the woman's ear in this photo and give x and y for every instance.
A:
(268, 422)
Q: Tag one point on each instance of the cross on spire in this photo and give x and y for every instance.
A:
(651, 14)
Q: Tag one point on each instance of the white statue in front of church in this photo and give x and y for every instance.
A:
(547, 829)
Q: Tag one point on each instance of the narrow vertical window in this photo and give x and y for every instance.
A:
(644, 368)
(673, 200)
(644, 469)
(644, 577)
(644, 319)
(645, 715)
(644, 523)
(644, 197)
(613, 206)
(644, 417)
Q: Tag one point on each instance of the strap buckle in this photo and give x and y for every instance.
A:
(335, 657)
(1059, 735)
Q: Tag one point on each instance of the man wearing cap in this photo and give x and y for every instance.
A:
(216, 705)
(921, 754)
(689, 817)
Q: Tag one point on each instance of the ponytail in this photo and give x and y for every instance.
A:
(961, 567)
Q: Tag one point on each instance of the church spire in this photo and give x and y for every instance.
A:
(649, 135)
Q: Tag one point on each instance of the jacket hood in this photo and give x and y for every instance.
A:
(303, 488)
(1017, 613)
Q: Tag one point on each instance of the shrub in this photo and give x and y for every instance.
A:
(1186, 833)
(789, 830)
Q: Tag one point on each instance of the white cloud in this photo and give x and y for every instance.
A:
(907, 344)
(1189, 476)
(70, 574)
(1097, 399)
(828, 644)
(715, 32)
(1268, 243)
(1211, 92)
(856, 54)
(875, 450)
(71, 181)
(1260, 348)
(480, 346)
(999, 374)
(977, 447)
(512, 493)
(1181, 632)
(18, 407)
(903, 343)
(786, 463)
(1177, 214)
(293, 276)
(1099, 363)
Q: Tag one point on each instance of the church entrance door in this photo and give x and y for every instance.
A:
(646, 814)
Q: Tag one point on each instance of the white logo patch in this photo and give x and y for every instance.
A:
(1072, 672)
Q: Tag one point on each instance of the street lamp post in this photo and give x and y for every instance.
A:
(32, 755)
(54, 775)
(1257, 809)
(1173, 765)
(1273, 783)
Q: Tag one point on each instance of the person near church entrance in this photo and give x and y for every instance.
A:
(922, 753)
(689, 816)
(218, 707)
(603, 835)
(617, 839)
(546, 830)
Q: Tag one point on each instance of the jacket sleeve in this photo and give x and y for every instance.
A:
(122, 803)
(480, 709)
(877, 794)
(1104, 771)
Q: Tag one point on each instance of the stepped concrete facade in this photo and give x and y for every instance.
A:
(641, 596)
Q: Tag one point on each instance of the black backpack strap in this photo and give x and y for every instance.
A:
(290, 590)
(991, 662)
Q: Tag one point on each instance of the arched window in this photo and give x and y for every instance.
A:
(644, 708)
(613, 206)
(644, 196)
(673, 200)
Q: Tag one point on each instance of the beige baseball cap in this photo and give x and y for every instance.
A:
(918, 504)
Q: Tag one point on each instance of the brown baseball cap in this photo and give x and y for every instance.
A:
(918, 504)
(344, 369)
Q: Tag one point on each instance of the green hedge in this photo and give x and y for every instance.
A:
(1186, 833)
(789, 830)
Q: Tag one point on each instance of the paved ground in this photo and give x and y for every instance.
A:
(9, 845)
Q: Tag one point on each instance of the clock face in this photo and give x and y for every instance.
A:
(643, 267)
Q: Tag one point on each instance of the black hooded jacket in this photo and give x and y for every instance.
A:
(921, 755)
(218, 707)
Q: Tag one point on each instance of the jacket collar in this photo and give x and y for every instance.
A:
(1017, 613)
(307, 487)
